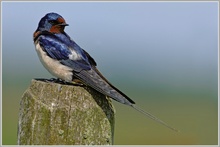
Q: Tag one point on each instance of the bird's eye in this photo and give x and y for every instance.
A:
(53, 22)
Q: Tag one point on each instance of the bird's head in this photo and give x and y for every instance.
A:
(51, 22)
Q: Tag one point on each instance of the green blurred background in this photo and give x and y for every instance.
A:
(164, 55)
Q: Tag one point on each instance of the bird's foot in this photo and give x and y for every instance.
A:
(56, 80)
(75, 82)
(47, 80)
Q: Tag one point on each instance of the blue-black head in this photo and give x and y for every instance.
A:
(52, 22)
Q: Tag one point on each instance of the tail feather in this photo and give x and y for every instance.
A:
(97, 81)
(153, 117)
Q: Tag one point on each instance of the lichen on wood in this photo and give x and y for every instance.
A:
(59, 114)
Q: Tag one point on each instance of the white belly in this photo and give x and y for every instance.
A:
(54, 66)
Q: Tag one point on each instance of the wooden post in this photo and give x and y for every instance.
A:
(60, 114)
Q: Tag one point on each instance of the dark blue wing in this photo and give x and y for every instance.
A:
(61, 50)
(54, 49)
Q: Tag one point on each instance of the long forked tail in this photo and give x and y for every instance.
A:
(153, 117)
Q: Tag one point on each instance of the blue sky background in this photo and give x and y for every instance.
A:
(164, 55)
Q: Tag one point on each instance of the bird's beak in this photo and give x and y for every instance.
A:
(63, 24)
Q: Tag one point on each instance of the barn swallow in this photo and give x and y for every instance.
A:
(66, 60)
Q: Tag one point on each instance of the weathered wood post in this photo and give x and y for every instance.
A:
(60, 114)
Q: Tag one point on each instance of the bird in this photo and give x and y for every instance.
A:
(67, 61)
